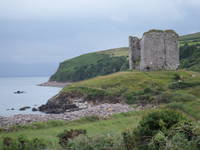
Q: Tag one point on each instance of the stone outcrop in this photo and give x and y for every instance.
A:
(157, 50)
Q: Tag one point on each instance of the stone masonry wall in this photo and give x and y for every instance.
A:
(134, 52)
(158, 50)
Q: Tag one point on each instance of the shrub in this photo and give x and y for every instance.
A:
(128, 140)
(22, 143)
(104, 142)
(157, 142)
(183, 85)
(153, 128)
(69, 134)
(177, 77)
(144, 96)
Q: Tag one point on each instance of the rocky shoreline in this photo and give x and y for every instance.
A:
(55, 84)
(102, 110)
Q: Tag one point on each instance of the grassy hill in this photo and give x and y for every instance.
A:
(191, 39)
(92, 65)
(190, 57)
(135, 87)
(114, 60)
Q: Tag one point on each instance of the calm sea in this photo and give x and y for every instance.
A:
(34, 95)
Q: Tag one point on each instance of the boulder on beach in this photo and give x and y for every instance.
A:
(24, 108)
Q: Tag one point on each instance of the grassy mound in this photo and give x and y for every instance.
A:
(139, 87)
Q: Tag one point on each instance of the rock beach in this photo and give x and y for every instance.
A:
(102, 110)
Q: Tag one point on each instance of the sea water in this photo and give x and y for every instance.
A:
(33, 95)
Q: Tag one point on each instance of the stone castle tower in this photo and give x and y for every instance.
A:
(157, 50)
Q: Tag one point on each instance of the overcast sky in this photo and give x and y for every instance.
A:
(39, 32)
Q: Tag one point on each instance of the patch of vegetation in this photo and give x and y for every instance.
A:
(138, 87)
(182, 85)
(95, 126)
(163, 129)
(92, 65)
(190, 37)
(23, 143)
(190, 57)
(102, 142)
(69, 134)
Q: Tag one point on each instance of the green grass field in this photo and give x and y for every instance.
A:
(133, 85)
(115, 124)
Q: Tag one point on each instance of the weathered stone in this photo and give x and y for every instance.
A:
(24, 108)
(134, 52)
(34, 109)
(158, 50)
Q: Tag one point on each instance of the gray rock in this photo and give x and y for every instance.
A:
(24, 108)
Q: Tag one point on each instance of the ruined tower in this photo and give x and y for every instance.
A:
(134, 52)
(158, 50)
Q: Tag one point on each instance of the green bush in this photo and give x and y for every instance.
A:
(158, 142)
(152, 129)
(69, 134)
(128, 140)
(184, 136)
(177, 77)
(22, 143)
(183, 85)
(104, 142)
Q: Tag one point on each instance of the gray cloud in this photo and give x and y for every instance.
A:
(50, 31)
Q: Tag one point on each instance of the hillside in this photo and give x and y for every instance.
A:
(131, 87)
(109, 61)
(191, 39)
(92, 65)
(190, 57)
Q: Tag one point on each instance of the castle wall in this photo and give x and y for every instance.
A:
(134, 52)
(152, 51)
(157, 50)
(172, 51)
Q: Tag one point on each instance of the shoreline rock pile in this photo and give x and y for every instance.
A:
(102, 110)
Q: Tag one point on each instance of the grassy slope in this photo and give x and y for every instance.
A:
(92, 64)
(125, 84)
(190, 38)
(116, 124)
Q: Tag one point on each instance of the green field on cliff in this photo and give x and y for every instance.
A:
(135, 87)
(114, 60)
(92, 65)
